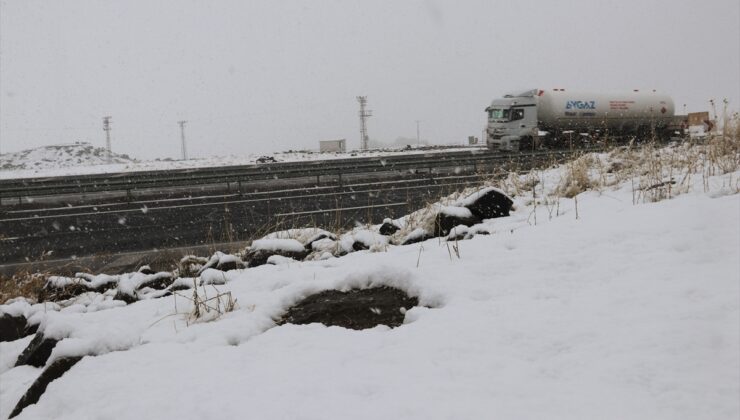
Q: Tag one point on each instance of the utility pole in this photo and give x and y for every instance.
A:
(106, 128)
(418, 139)
(182, 139)
(364, 114)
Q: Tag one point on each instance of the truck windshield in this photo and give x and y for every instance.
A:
(498, 114)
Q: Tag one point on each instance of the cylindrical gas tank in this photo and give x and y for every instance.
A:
(560, 109)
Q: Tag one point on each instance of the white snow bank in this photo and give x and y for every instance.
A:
(287, 245)
(98, 280)
(10, 350)
(16, 308)
(217, 259)
(454, 211)
(211, 276)
(59, 282)
(89, 281)
(628, 311)
(415, 235)
(131, 282)
(458, 232)
(324, 245)
(280, 260)
(304, 236)
(368, 239)
(182, 283)
(32, 312)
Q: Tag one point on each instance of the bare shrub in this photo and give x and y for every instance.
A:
(27, 285)
(207, 308)
(577, 177)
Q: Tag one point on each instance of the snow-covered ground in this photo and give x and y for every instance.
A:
(84, 159)
(605, 307)
(50, 159)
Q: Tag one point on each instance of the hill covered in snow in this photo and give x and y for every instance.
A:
(609, 292)
(60, 156)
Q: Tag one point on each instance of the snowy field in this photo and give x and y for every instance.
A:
(83, 159)
(605, 307)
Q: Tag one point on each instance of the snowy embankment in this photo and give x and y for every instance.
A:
(604, 306)
(84, 159)
(56, 159)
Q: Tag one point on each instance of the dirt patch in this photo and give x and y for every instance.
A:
(15, 327)
(356, 309)
(37, 352)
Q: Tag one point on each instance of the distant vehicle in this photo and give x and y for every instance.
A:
(537, 118)
(266, 159)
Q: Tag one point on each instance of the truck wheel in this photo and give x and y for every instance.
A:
(527, 143)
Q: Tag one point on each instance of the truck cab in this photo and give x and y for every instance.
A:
(512, 122)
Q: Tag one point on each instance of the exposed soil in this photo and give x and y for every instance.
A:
(14, 327)
(37, 352)
(356, 309)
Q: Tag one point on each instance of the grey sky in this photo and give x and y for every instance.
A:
(261, 76)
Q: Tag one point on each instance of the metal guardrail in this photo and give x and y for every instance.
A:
(129, 181)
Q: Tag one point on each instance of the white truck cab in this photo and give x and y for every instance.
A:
(512, 121)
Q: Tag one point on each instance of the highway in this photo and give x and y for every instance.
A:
(71, 217)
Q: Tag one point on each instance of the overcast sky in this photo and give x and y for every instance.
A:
(262, 76)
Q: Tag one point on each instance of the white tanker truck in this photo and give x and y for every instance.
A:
(554, 117)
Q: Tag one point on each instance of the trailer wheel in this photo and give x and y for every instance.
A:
(528, 143)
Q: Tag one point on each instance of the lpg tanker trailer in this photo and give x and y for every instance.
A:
(550, 118)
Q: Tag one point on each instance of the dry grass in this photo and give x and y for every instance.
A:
(27, 285)
(578, 177)
(655, 172)
(206, 308)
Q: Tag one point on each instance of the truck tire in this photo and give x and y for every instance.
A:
(527, 144)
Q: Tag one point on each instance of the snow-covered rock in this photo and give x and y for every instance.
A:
(487, 203)
(305, 236)
(450, 216)
(262, 249)
(191, 265)
(388, 227)
(220, 261)
(131, 285)
(362, 239)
